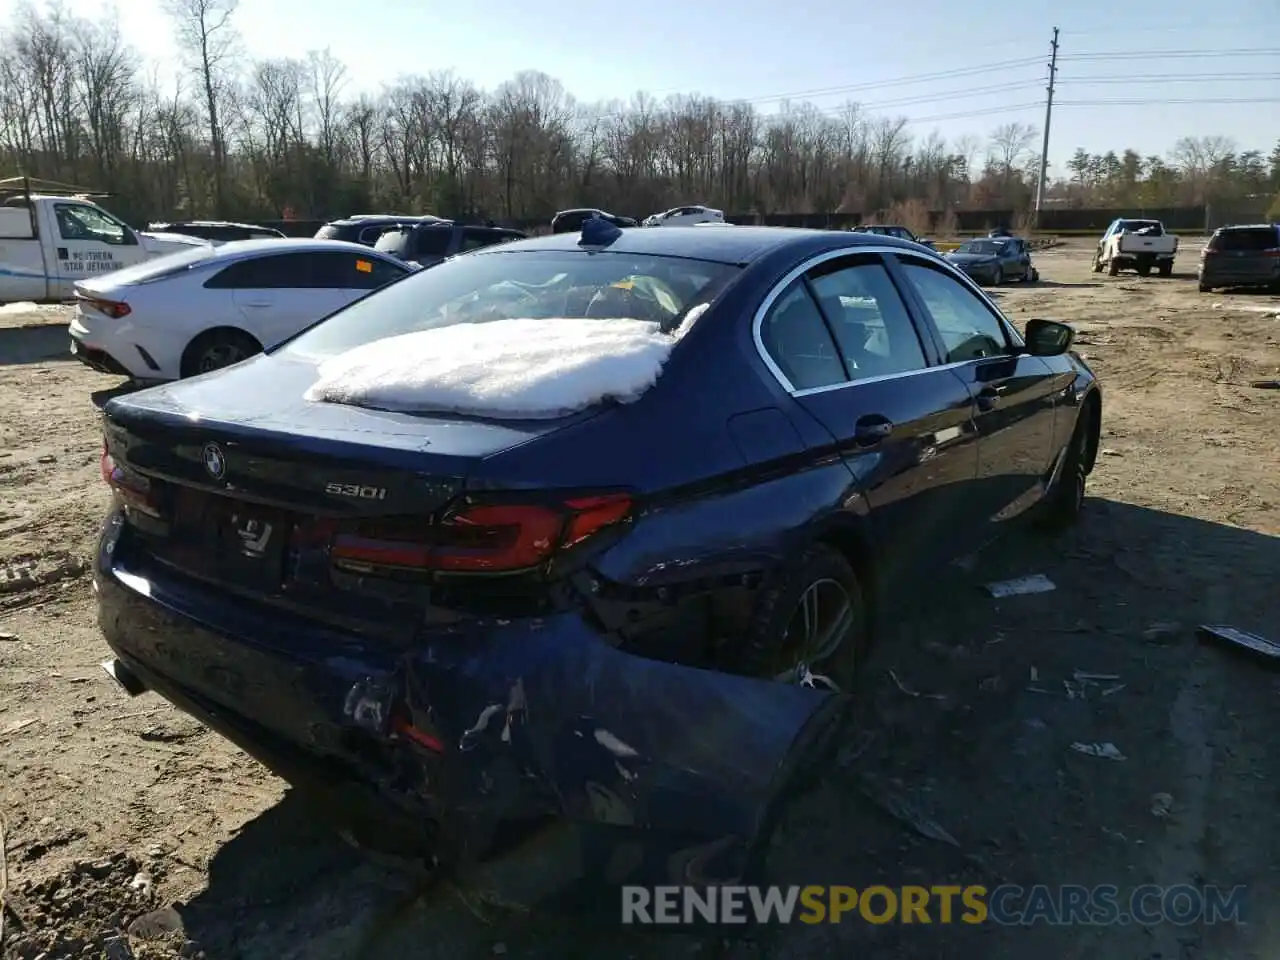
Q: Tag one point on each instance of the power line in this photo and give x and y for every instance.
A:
(1189, 27)
(1012, 86)
(1102, 55)
(1172, 78)
(953, 74)
(1161, 101)
(1012, 108)
(951, 95)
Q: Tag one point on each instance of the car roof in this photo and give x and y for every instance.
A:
(216, 223)
(741, 245)
(1251, 226)
(372, 219)
(248, 248)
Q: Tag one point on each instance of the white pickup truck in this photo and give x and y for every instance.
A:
(50, 240)
(1136, 245)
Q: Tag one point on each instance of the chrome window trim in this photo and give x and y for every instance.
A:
(907, 255)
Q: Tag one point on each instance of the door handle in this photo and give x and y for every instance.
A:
(987, 398)
(257, 303)
(870, 430)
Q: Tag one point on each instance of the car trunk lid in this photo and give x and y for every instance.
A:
(236, 480)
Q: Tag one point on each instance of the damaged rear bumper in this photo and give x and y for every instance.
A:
(650, 772)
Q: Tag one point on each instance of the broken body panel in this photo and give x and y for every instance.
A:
(666, 773)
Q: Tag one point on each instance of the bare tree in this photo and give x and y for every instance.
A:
(78, 104)
(1009, 145)
(207, 37)
(327, 76)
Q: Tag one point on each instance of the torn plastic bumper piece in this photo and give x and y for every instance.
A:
(663, 773)
(655, 772)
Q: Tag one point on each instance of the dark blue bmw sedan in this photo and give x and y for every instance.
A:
(632, 619)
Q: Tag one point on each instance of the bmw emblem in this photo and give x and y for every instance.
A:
(215, 461)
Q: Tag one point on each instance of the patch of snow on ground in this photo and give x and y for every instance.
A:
(25, 306)
(505, 369)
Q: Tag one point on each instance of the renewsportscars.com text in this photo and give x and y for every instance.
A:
(1007, 905)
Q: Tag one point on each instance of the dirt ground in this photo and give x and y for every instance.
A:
(115, 809)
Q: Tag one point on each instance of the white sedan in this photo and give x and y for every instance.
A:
(208, 307)
(685, 217)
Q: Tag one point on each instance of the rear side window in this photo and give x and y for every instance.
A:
(432, 242)
(797, 340)
(475, 239)
(869, 320)
(1248, 239)
(287, 271)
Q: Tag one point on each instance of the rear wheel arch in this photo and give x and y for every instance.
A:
(1091, 420)
(211, 336)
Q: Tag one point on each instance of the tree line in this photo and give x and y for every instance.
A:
(278, 137)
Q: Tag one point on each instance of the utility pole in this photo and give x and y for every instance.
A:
(1048, 116)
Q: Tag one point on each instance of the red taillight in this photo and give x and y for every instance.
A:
(482, 538)
(112, 308)
(133, 490)
(402, 726)
(106, 465)
(1274, 252)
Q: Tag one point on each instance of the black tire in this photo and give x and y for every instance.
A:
(1097, 262)
(215, 349)
(1165, 270)
(1205, 288)
(773, 648)
(997, 278)
(1065, 500)
(1113, 267)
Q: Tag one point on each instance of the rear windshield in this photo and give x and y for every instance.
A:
(1151, 228)
(394, 242)
(163, 266)
(1250, 238)
(985, 247)
(523, 284)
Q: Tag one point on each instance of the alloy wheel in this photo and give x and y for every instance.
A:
(221, 355)
(821, 623)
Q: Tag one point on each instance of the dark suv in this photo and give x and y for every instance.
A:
(366, 228)
(570, 221)
(219, 231)
(892, 230)
(429, 243)
(1241, 256)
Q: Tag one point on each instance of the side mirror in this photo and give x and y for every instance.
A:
(1048, 338)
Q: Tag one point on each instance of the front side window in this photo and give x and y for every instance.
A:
(870, 322)
(533, 284)
(969, 330)
(80, 222)
(354, 272)
(796, 338)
